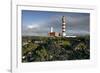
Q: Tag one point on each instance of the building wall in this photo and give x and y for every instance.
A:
(54, 34)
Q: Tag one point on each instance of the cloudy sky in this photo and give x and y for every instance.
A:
(38, 23)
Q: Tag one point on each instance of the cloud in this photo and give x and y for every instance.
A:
(77, 32)
(74, 26)
(35, 29)
(32, 26)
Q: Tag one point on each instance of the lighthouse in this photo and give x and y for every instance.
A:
(63, 26)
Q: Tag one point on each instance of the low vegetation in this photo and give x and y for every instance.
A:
(36, 49)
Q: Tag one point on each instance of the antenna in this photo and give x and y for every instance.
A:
(53, 23)
(51, 29)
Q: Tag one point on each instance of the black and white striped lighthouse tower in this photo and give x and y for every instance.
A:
(63, 26)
